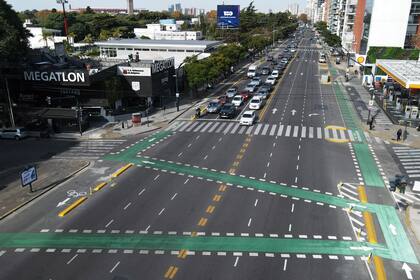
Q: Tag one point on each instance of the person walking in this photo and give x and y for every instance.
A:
(371, 123)
(399, 133)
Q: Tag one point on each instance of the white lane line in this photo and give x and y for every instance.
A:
(273, 129)
(109, 223)
(140, 193)
(2, 252)
(180, 154)
(256, 202)
(290, 227)
(279, 133)
(288, 131)
(236, 262)
(293, 207)
(172, 198)
(186, 181)
(235, 128)
(128, 205)
(249, 222)
(319, 133)
(157, 176)
(285, 265)
(296, 131)
(72, 259)
(227, 128)
(206, 157)
(161, 211)
(115, 266)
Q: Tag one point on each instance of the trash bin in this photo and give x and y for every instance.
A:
(136, 119)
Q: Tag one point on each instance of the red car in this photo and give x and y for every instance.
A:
(246, 95)
(222, 99)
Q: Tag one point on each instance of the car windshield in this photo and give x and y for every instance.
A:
(231, 90)
(246, 115)
(255, 101)
(227, 107)
(237, 98)
(213, 104)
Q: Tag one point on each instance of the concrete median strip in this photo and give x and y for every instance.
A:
(72, 206)
(99, 187)
(121, 170)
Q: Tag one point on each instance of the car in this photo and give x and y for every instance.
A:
(246, 95)
(256, 80)
(228, 111)
(263, 93)
(275, 73)
(265, 71)
(256, 103)
(214, 107)
(293, 50)
(322, 59)
(230, 93)
(238, 100)
(251, 87)
(222, 99)
(284, 60)
(269, 58)
(271, 80)
(16, 133)
(274, 62)
(267, 86)
(248, 118)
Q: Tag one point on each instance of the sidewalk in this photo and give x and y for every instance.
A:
(50, 174)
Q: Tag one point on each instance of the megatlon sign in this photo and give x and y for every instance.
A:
(161, 65)
(63, 77)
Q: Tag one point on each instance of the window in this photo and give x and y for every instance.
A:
(121, 49)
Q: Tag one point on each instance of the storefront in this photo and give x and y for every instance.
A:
(400, 89)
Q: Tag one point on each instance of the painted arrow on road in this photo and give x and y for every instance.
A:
(61, 203)
(313, 114)
(407, 270)
(274, 110)
(293, 112)
(364, 248)
(393, 229)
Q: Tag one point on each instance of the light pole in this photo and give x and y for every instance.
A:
(12, 119)
(63, 2)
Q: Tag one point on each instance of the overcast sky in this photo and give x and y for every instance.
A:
(261, 5)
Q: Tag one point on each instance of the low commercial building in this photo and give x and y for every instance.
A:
(44, 37)
(167, 31)
(156, 49)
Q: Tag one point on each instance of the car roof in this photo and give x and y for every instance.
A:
(249, 112)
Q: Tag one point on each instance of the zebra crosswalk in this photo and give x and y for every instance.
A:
(409, 159)
(292, 131)
(90, 149)
(380, 118)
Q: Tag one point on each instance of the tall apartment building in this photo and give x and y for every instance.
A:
(130, 7)
(413, 29)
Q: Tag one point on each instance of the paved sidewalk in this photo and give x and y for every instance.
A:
(50, 174)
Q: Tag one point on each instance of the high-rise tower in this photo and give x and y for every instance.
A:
(130, 7)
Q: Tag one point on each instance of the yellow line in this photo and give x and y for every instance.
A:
(202, 222)
(121, 170)
(217, 197)
(169, 271)
(210, 209)
(72, 206)
(337, 140)
(371, 233)
(336, 127)
(174, 271)
(222, 188)
(239, 156)
(242, 151)
(99, 187)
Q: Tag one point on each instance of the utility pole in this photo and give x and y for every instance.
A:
(63, 2)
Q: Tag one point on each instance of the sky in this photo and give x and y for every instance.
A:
(261, 5)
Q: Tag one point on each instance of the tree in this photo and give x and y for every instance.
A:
(303, 18)
(89, 10)
(13, 36)
(79, 29)
(88, 39)
(47, 35)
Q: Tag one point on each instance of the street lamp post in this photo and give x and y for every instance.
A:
(63, 2)
(9, 99)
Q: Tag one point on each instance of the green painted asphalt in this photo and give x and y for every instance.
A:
(197, 243)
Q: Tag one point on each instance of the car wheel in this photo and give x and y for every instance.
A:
(17, 138)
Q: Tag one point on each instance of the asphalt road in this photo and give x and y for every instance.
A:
(160, 203)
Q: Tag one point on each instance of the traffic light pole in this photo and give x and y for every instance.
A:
(12, 119)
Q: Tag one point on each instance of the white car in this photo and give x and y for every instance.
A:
(256, 103)
(271, 80)
(16, 133)
(238, 100)
(251, 87)
(275, 74)
(248, 118)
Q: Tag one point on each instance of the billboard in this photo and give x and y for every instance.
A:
(228, 16)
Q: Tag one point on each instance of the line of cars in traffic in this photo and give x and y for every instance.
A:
(255, 93)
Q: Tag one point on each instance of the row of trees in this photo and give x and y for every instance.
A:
(332, 40)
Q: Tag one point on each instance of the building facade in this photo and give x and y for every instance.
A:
(166, 31)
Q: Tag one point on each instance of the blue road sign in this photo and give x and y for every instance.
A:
(28, 176)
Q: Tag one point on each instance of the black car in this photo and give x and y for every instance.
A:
(228, 111)
(267, 86)
(265, 70)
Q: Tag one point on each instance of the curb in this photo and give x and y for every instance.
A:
(408, 223)
(49, 187)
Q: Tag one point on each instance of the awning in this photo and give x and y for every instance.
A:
(405, 72)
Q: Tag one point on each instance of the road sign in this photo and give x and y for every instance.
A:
(28, 176)
(371, 102)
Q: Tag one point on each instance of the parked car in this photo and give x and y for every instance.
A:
(16, 133)
(256, 103)
(230, 93)
(257, 80)
(228, 111)
(214, 107)
(248, 118)
(251, 87)
(271, 80)
(238, 100)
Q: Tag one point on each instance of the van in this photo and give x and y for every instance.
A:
(252, 71)
(16, 133)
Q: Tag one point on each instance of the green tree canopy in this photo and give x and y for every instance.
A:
(13, 36)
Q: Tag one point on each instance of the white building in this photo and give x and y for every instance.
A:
(158, 31)
(44, 37)
(156, 49)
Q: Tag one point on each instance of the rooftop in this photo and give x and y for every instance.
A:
(405, 72)
(166, 43)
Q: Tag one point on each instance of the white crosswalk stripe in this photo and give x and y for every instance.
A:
(92, 149)
(262, 129)
(409, 159)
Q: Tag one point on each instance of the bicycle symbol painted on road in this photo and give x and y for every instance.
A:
(75, 194)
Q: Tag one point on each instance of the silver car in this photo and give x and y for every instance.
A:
(13, 133)
(230, 93)
(251, 87)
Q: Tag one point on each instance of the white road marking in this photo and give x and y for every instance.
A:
(172, 198)
(290, 227)
(161, 211)
(186, 181)
(115, 266)
(293, 207)
(256, 202)
(140, 193)
(109, 223)
(128, 205)
(285, 265)
(72, 259)
(249, 222)
(147, 229)
(157, 176)
(236, 262)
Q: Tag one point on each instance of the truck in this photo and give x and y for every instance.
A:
(252, 71)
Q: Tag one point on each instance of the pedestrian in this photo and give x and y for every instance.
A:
(399, 133)
(371, 125)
